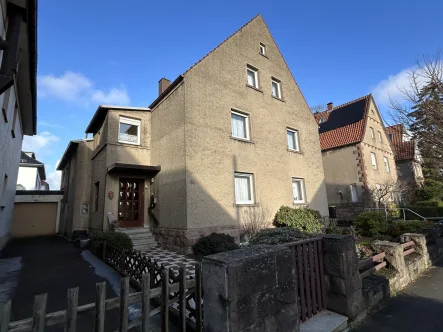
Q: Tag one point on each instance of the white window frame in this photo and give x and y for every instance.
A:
(250, 176)
(296, 139)
(255, 72)
(379, 137)
(278, 83)
(133, 122)
(374, 160)
(386, 161)
(247, 131)
(355, 197)
(302, 188)
(262, 49)
(372, 132)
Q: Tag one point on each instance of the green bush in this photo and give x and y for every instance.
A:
(429, 203)
(339, 230)
(305, 220)
(214, 243)
(277, 236)
(115, 239)
(394, 211)
(370, 223)
(398, 228)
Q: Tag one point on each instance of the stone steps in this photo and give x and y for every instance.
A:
(142, 238)
(325, 321)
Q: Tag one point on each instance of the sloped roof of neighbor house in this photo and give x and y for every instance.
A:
(344, 124)
(403, 150)
(27, 159)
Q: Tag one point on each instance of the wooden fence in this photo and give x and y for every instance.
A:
(308, 261)
(410, 245)
(372, 264)
(167, 294)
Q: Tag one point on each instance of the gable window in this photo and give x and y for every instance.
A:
(390, 137)
(240, 125)
(252, 77)
(276, 88)
(386, 161)
(129, 131)
(321, 120)
(354, 192)
(372, 132)
(293, 141)
(244, 188)
(298, 190)
(379, 137)
(373, 160)
(262, 49)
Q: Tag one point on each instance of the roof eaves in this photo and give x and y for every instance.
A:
(65, 156)
(166, 92)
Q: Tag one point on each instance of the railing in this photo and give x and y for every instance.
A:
(403, 210)
(40, 319)
(410, 245)
(308, 262)
(368, 267)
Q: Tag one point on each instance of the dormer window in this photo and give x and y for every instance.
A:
(129, 131)
(262, 49)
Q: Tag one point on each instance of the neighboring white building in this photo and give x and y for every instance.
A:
(31, 173)
(18, 68)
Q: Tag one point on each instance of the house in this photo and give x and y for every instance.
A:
(31, 173)
(357, 155)
(18, 52)
(407, 156)
(232, 134)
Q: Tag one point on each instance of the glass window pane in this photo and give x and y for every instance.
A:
(242, 189)
(291, 140)
(274, 89)
(128, 133)
(251, 78)
(238, 126)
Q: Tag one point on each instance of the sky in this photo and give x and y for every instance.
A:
(115, 52)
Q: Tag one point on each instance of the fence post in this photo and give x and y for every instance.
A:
(99, 322)
(5, 314)
(123, 262)
(124, 296)
(146, 305)
(71, 310)
(39, 313)
(182, 297)
(198, 297)
(165, 300)
(104, 251)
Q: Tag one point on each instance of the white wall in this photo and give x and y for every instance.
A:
(27, 177)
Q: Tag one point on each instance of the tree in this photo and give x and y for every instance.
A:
(390, 191)
(318, 108)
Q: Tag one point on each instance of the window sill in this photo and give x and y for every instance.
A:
(295, 151)
(242, 140)
(246, 205)
(278, 99)
(254, 88)
(264, 55)
(300, 203)
(129, 143)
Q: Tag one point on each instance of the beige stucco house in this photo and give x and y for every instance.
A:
(357, 154)
(18, 117)
(407, 156)
(231, 133)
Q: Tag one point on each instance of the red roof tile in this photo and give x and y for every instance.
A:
(403, 150)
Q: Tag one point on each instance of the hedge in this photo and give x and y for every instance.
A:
(424, 211)
(303, 219)
(278, 235)
(429, 203)
(214, 244)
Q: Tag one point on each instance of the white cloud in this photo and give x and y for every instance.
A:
(39, 144)
(77, 88)
(54, 177)
(49, 124)
(391, 87)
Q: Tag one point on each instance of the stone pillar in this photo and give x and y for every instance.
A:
(420, 246)
(343, 282)
(251, 289)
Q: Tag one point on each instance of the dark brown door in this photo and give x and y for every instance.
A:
(130, 202)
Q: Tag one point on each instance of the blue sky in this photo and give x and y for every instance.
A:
(114, 52)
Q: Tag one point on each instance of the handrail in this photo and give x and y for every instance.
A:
(402, 209)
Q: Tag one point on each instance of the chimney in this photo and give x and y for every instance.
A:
(330, 106)
(163, 84)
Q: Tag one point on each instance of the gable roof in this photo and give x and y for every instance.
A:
(30, 161)
(403, 150)
(72, 146)
(344, 124)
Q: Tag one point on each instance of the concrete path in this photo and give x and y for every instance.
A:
(419, 307)
(52, 265)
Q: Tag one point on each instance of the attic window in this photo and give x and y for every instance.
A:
(321, 120)
(262, 49)
(390, 137)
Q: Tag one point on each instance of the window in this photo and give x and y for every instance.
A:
(390, 137)
(372, 132)
(129, 131)
(6, 104)
(240, 125)
(386, 161)
(244, 188)
(276, 88)
(14, 120)
(298, 190)
(262, 49)
(379, 137)
(373, 160)
(293, 142)
(5, 185)
(321, 120)
(252, 77)
(97, 189)
(354, 192)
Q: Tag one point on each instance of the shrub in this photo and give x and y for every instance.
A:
(370, 223)
(305, 220)
(115, 239)
(394, 211)
(255, 219)
(277, 236)
(429, 203)
(214, 243)
(398, 228)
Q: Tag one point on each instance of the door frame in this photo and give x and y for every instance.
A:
(141, 203)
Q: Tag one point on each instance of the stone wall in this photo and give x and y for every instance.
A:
(182, 240)
(252, 289)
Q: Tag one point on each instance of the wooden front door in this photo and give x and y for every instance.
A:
(130, 202)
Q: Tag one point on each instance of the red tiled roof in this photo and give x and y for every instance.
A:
(341, 133)
(403, 150)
